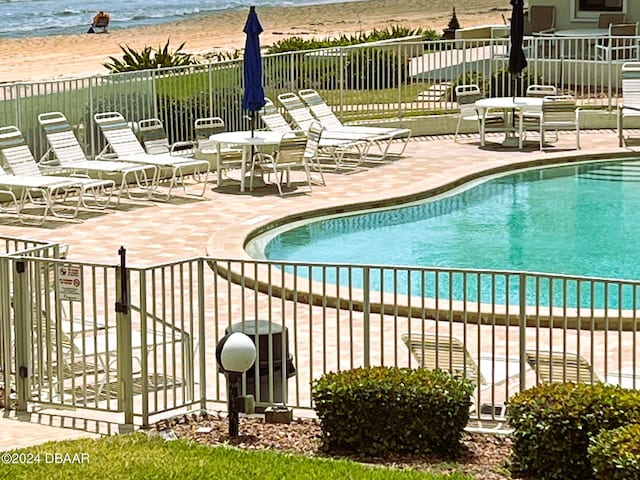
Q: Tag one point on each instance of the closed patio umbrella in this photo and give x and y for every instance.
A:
(253, 97)
(517, 59)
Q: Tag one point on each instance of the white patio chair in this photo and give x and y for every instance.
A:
(206, 150)
(125, 146)
(620, 45)
(558, 112)
(294, 152)
(629, 107)
(68, 156)
(466, 96)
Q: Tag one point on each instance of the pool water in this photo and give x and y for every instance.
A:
(572, 219)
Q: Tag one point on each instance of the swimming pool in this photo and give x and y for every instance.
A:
(579, 219)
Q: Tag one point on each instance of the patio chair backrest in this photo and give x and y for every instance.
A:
(466, 96)
(313, 141)
(560, 367)
(559, 109)
(153, 136)
(61, 138)
(606, 19)
(273, 119)
(297, 110)
(631, 83)
(205, 127)
(542, 18)
(623, 29)
(291, 149)
(119, 134)
(16, 152)
(541, 90)
(320, 109)
(444, 352)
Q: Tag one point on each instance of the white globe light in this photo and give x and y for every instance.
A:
(238, 353)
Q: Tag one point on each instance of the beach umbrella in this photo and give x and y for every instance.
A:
(253, 97)
(517, 59)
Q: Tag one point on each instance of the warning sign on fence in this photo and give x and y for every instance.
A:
(69, 283)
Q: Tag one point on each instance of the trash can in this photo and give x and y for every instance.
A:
(267, 333)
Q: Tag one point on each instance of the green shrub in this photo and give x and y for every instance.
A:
(380, 410)
(615, 454)
(553, 424)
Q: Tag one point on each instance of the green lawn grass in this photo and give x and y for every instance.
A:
(137, 456)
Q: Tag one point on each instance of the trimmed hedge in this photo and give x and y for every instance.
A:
(382, 410)
(554, 423)
(615, 454)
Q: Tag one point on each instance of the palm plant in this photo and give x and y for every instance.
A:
(149, 58)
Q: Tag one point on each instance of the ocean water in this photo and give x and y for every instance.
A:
(30, 18)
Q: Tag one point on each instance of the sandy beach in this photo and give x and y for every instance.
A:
(62, 56)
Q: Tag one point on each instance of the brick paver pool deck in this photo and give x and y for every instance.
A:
(218, 224)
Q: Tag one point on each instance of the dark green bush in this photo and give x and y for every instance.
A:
(380, 410)
(553, 424)
(615, 454)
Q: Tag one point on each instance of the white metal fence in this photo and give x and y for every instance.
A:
(71, 339)
(363, 83)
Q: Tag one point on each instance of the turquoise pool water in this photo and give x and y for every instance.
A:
(575, 220)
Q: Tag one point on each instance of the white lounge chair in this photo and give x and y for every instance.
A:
(125, 146)
(303, 118)
(20, 160)
(322, 111)
(444, 352)
(41, 191)
(629, 107)
(69, 157)
(561, 367)
(338, 150)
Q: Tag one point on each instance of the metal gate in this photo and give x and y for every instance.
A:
(71, 339)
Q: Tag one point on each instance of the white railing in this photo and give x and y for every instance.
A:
(151, 352)
(363, 83)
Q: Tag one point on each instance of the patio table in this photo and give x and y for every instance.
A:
(247, 140)
(508, 104)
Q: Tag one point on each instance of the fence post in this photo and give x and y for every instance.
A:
(366, 313)
(5, 326)
(123, 333)
(22, 327)
(522, 328)
(202, 335)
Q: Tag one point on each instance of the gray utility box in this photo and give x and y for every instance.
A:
(269, 340)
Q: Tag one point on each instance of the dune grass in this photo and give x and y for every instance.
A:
(138, 456)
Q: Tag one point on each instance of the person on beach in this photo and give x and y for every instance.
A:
(101, 20)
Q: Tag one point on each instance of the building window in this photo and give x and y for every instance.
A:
(600, 5)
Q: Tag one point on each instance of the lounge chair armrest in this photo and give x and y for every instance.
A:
(629, 107)
(183, 148)
(49, 162)
(79, 175)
